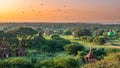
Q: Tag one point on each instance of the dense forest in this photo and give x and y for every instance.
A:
(59, 45)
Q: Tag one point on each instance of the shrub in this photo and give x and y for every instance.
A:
(59, 31)
(99, 40)
(110, 61)
(15, 63)
(100, 53)
(73, 48)
(113, 57)
(54, 36)
(86, 38)
(67, 32)
(103, 64)
(58, 63)
(57, 44)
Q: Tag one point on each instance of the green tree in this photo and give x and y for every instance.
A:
(73, 48)
(59, 31)
(2, 34)
(87, 38)
(15, 63)
(36, 42)
(55, 36)
(77, 33)
(98, 32)
(58, 43)
(25, 31)
(100, 53)
(99, 40)
(67, 32)
(58, 63)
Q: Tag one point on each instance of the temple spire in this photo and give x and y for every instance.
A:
(3, 38)
(5, 51)
(90, 57)
(20, 51)
(90, 52)
(3, 45)
(20, 44)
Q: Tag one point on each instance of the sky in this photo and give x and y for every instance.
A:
(60, 11)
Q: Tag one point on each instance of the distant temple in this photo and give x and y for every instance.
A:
(48, 32)
(5, 51)
(90, 57)
(111, 33)
(20, 51)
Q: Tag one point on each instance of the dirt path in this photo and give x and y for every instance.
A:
(113, 45)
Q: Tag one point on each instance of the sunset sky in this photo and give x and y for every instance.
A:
(60, 11)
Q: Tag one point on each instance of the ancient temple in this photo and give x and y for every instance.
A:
(111, 33)
(20, 51)
(4, 49)
(48, 32)
(90, 57)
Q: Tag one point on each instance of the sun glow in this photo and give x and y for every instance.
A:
(6, 5)
(59, 10)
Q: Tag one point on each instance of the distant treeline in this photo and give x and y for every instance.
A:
(59, 25)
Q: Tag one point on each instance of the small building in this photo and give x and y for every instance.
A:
(48, 32)
(5, 52)
(90, 57)
(111, 33)
(20, 51)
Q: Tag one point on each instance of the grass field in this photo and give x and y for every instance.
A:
(87, 44)
(1, 27)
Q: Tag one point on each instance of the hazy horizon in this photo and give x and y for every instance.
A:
(32, 22)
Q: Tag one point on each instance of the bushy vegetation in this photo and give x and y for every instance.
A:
(68, 32)
(99, 53)
(73, 48)
(58, 31)
(111, 61)
(96, 40)
(16, 63)
(77, 33)
(99, 40)
(87, 38)
(103, 64)
(58, 63)
(55, 51)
